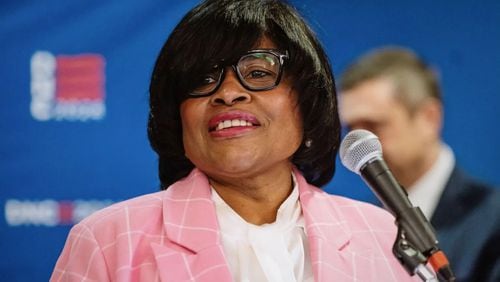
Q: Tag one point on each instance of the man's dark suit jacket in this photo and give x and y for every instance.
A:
(467, 222)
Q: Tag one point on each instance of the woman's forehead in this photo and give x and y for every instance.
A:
(265, 42)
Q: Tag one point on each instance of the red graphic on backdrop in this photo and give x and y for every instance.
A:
(66, 212)
(80, 78)
(67, 87)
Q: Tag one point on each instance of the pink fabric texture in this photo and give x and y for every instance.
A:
(173, 235)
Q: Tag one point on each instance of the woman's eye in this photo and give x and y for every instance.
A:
(257, 74)
(205, 83)
(208, 80)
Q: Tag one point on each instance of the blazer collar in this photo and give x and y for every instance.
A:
(189, 215)
(323, 219)
(190, 219)
(190, 223)
(192, 248)
(327, 232)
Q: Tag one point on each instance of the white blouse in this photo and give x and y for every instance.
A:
(275, 252)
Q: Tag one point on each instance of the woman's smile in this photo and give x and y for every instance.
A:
(232, 124)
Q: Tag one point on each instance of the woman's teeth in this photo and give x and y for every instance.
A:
(232, 123)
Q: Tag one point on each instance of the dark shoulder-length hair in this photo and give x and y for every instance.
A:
(225, 29)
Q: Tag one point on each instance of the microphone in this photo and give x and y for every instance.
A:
(361, 152)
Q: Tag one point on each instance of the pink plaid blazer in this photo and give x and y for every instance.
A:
(173, 235)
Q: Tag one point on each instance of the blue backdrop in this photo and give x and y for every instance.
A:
(74, 90)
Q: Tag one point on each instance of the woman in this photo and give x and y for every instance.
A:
(243, 117)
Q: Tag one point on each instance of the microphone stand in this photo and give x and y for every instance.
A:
(416, 245)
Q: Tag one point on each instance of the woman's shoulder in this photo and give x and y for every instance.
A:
(362, 208)
(356, 213)
(145, 213)
(349, 203)
(123, 215)
(343, 202)
(352, 212)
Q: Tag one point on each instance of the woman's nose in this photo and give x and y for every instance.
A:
(230, 91)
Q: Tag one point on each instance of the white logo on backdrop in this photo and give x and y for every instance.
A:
(50, 212)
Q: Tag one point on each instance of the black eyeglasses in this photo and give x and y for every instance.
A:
(257, 70)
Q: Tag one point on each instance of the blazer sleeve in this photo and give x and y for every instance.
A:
(82, 258)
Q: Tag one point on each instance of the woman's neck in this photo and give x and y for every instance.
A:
(256, 199)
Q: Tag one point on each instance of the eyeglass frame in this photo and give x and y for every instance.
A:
(278, 53)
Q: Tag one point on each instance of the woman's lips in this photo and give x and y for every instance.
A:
(232, 123)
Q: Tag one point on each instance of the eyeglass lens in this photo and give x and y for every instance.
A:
(257, 71)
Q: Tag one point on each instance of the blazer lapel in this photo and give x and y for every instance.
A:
(191, 249)
(328, 235)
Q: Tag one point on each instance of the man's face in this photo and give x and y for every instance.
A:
(372, 105)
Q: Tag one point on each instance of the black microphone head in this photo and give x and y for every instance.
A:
(358, 148)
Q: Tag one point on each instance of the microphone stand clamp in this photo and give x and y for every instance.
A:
(411, 259)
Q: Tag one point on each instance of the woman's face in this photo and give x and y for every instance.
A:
(237, 133)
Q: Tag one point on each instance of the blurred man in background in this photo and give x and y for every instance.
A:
(394, 94)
